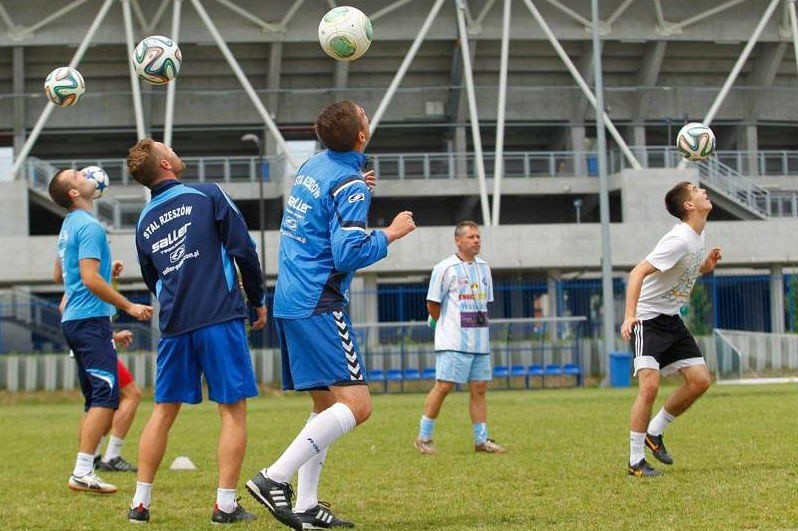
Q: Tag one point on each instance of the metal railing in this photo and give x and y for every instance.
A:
(723, 172)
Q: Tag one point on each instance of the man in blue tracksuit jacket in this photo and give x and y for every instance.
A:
(323, 242)
(189, 240)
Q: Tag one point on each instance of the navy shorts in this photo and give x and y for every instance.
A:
(319, 352)
(92, 342)
(219, 352)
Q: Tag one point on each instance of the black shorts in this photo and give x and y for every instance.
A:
(664, 343)
(91, 340)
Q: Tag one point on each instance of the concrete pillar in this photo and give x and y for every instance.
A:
(777, 299)
(363, 307)
(578, 145)
(639, 144)
(748, 141)
(18, 84)
(14, 208)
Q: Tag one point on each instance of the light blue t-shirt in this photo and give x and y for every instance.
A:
(82, 236)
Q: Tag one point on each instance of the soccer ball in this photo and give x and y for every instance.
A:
(157, 59)
(345, 33)
(64, 86)
(695, 141)
(100, 178)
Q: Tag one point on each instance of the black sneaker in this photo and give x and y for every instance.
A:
(117, 464)
(642, 469)
(276, 497)
(657, 447)
(138, 515)
(238, 515)
(320, 517)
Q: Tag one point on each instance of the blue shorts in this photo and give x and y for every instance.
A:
(319, 352)
(462, 367)
(219, 352)
(92, 342)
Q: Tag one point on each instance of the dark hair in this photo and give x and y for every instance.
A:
(143, 163)
(459, 229)
(59, 190)
(676, 197)
(338, 125)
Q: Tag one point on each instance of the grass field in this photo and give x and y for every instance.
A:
(736, 464)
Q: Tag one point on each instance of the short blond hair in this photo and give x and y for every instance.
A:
(143, 163)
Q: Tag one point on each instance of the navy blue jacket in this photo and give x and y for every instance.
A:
(189, 239)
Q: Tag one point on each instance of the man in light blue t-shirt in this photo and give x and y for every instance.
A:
(84, 266)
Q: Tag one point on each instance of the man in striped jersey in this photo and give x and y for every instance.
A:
(658, 287)
(457, 300)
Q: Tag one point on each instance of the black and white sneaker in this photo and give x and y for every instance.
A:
(138, 515)
(238, 515)
(657, 447)
(320, 517)
(276, 497)
(117, 464)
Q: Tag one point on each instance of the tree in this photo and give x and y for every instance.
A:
(700, 311)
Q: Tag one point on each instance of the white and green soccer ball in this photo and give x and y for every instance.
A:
(157, 59)
(695, 141)
(99, 177)
(345, 33)
(64, 86)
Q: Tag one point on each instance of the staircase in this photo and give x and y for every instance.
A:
(20, 307)
(734, 192)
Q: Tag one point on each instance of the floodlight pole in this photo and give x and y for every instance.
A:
(600, 114)
(472, 111)
(242, 78)
(37, 129)
(498, 164)
(135, 87)
(607, 294)
(169, 113)
(738, 66)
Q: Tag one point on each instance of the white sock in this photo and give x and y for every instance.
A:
(84, 464)
(326, 428)
(660, 422)
(114, 448)
(307, 483)
(636, 447)
(226, 500)
(143, 495)
(99, 449)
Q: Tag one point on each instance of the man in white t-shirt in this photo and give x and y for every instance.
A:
(658, 287)
(457, 300)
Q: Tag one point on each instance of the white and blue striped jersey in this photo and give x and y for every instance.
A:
(323, 236)
(463, 289)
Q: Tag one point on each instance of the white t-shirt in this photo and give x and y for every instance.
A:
(463, 289)
(677, 256)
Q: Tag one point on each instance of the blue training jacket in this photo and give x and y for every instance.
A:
(189, 239)
(323, 237)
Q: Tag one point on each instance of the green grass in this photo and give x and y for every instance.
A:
(736, 464)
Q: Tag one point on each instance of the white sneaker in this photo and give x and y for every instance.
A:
(91, 482)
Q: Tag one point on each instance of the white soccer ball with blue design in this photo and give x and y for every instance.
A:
(345, 33)
(64, 86)
(99, 177)
(695, 141)
(157, 59)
